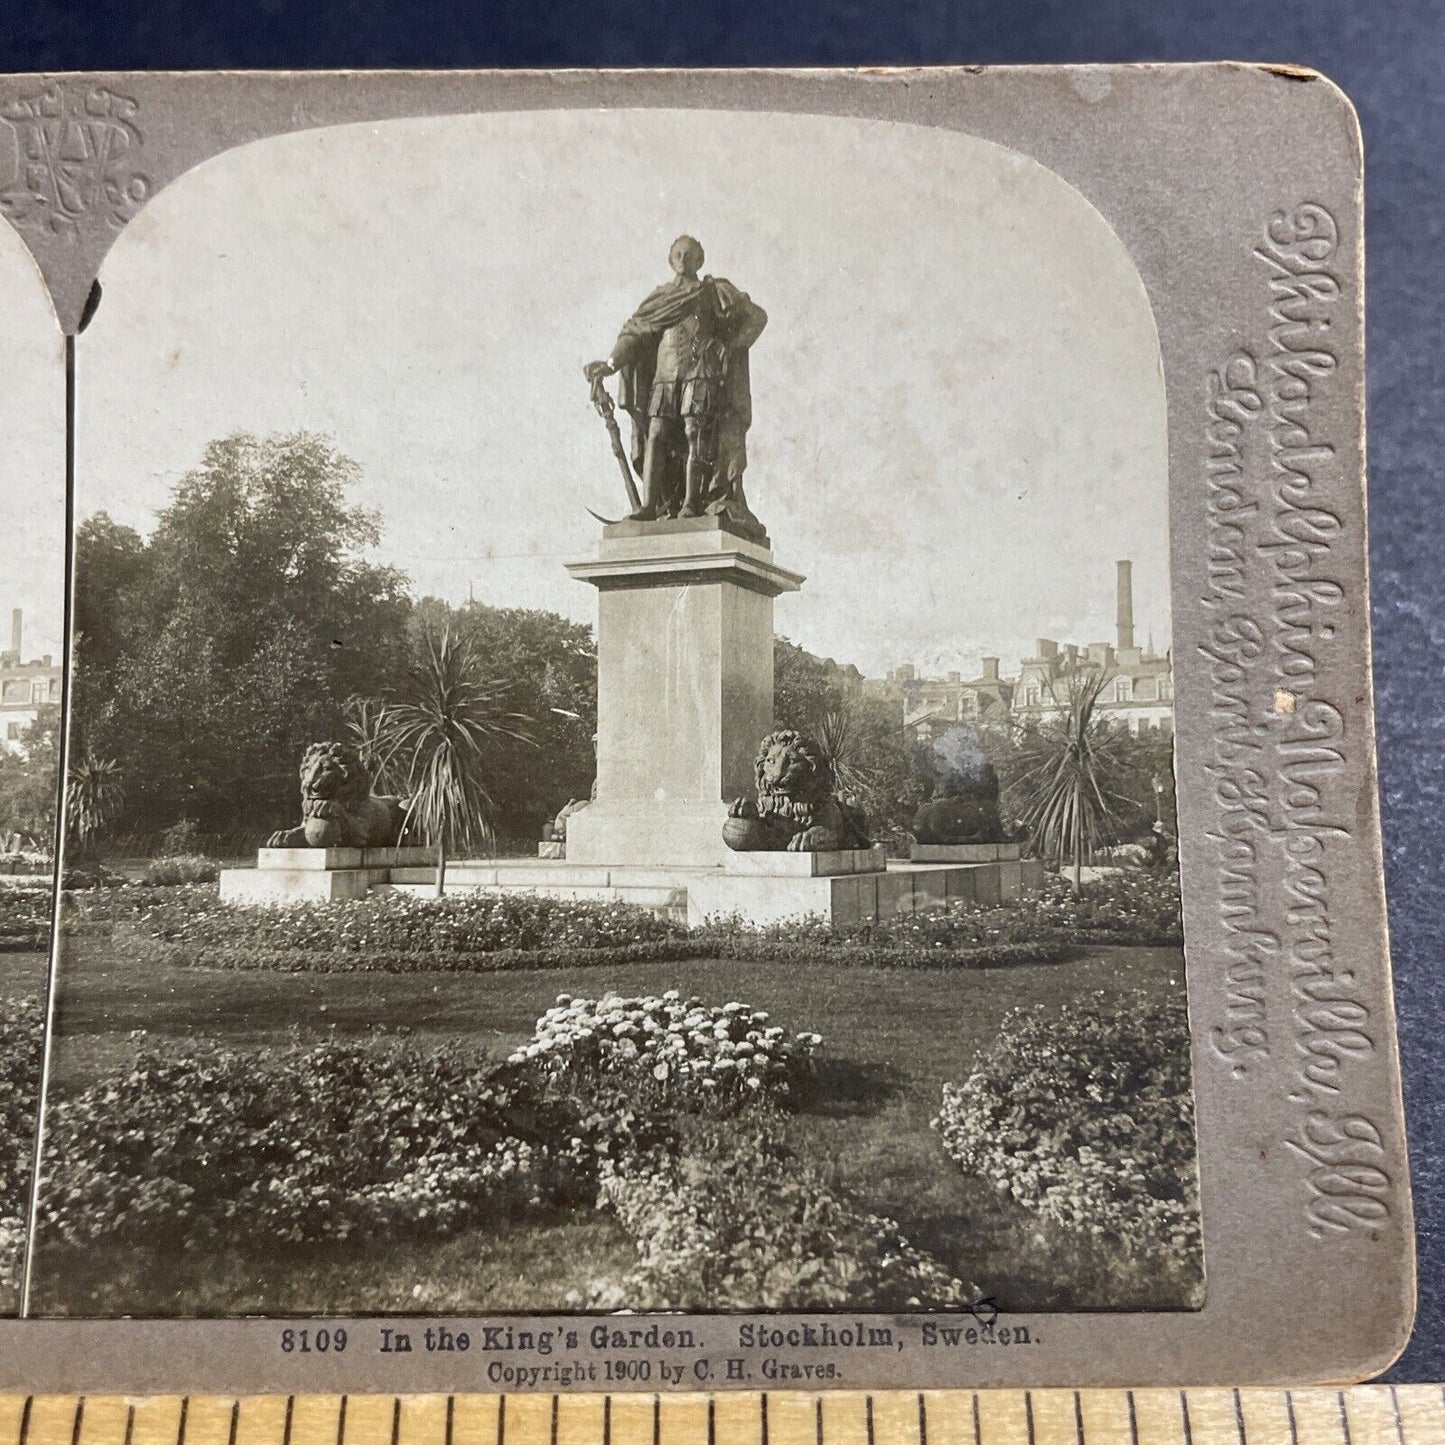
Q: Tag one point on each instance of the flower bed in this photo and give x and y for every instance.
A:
(140, 948)
(22, 1040)
(397, 923)
(1125, 908)
(484, 932)
(341, 1141)
(1085, 1118)
(25, 917)
(96, 911)
(360, 1141)
(399, 933)
(811, 941)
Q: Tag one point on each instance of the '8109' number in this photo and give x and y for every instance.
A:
(312, 1342)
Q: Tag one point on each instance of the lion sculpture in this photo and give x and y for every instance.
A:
(963, 809)
(796, 809)
(338, 808)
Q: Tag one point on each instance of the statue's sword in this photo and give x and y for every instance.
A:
(608, 412)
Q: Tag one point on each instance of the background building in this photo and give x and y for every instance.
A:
(25, 687)
(1139, 692)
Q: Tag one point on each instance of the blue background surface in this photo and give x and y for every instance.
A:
(1389, 57)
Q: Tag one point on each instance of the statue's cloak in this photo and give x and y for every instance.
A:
(635, 353)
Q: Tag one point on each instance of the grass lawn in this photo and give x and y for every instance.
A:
(892, 1037)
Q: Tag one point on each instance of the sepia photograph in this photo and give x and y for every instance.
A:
(32, 593)
(620, 750)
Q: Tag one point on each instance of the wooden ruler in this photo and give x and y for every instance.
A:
(1359, 1415)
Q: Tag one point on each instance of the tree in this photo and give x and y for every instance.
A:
(29, 780)
(806, 686)
(1144, 784)
(111, 617)
(209, 655)
(1062, 790)
(437, 736)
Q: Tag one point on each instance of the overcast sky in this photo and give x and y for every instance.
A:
(32, 459)
(958, 406)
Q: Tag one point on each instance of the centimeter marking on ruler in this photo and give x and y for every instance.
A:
(1359, 1415)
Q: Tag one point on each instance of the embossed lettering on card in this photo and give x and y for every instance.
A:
(716, 732)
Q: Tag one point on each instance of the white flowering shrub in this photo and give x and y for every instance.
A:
(1084, 1116)
(670, 1052)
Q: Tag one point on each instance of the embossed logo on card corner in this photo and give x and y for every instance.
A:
(68, 157)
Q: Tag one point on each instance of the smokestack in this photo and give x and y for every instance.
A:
(15, 620)
(990, 669)
(1124, 611)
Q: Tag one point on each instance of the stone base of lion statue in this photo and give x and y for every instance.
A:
(820, 863)
(768, 888)
(965, 852)
(317, 875)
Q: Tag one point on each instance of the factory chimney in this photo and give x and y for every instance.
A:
(1124, 611)
(15, 620)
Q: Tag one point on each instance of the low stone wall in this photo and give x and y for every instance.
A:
(905, 888)
(857, 886)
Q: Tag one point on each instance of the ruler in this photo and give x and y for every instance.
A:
(1359, 1415)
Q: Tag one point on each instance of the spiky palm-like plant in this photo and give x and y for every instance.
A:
(436, 737)
(1062, 792)
(366, 722)
(837, 730)
(94, 797)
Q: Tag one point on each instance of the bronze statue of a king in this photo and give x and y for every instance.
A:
(682, 365)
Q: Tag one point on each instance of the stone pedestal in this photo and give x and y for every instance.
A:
(316, 875)
(839, 864)
(684, 687)
(964, 852)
